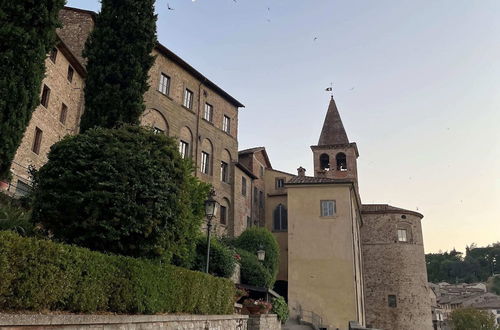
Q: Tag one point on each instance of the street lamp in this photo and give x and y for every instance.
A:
(211, 206)
(261, 254)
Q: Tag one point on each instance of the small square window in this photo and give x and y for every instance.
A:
(392, 301)
(280, 183)
(243, 186)
(37, 141)
(226, 124)
(224, 172)
(53, 55)
(164, 87)
(188, 99)
(71, 72)
(402, 237)
(205, 162)
(208, 114)
(184, 149)
(223, 215)
(63, 114)
(328, 208)
(45, 96)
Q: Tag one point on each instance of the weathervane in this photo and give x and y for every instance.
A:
(330, 89)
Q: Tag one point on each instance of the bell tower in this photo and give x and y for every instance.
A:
(334, 156)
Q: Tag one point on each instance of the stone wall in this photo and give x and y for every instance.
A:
(264, 322)
(111, 322)
(394, 268)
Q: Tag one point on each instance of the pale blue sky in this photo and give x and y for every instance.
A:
(417, 84)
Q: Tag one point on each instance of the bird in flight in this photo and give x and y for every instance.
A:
(315, 38)
(169, 8)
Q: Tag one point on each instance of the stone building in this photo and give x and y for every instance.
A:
(340, 260)
(181, 103)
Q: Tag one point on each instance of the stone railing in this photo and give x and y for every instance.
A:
(150, 322)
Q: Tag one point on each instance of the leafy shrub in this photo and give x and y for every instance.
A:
(280, 308)
(125, 191)
(253, 271)
(471, 318)
(222, 261)
(43, 275)
(255, 238)
(15, 218)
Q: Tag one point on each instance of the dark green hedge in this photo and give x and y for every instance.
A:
(42, 275)
(253, 272)
(222, 260)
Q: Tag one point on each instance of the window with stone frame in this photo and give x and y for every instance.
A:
(164, 86)
(223, 215)
(63, 114)
(224, 172)
(188, 99)
(402, 235)
(261, 199)
(280, 218)
(53, 55)
(71, 72)
(205, 162)
(208, 113)
(184, 149)
(243, 186)
(328, 208)
(37, 142)
(44, 100)
(249, 222)
(261, 171)
(226, 124)
(392, 301)
(280, 183)
(255, 195)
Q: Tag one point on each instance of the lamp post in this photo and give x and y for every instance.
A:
(210, 212)
(261, 254)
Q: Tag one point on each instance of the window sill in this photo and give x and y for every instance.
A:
(166, 95)
(280, 231)
(208, 122)
(329, 217)
(189, 109)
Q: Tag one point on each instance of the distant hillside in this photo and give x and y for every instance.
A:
(478, 264)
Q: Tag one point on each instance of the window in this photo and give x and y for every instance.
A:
(223, 215)
(63, 114)
(164, 87)
(255, 195)
(53, 55)
(261, 199)
(224, 172)
(226, 124)
(261, 171)
(205, 165)
(22, 188)
(157, 130)
(341, 162)
(402, 237)
(188, 99)
(243, 186)
(38, 141)
(328, 208)
(324, 162)
(280, 183)
(209, 111)
(184, 149)
(249, 222)
(71, 71)
(45, 96)
(391, 299)
(280, 218)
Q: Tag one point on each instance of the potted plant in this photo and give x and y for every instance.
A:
(240, 293)
(256, 307)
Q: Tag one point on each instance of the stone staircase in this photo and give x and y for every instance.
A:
(294, 325)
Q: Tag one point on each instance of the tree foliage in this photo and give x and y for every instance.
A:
(476, 266)
(119, 58)
(222, 260)
(126, 191)
(256, 238)
(253, 272)
(27, 33)
(470, 318)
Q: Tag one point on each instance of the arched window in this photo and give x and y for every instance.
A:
(206, 157)
(154, 119)
(185, 142)
(280, 218)
(341, 161)
(324, 162)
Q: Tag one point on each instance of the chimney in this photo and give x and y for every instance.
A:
(301, 171)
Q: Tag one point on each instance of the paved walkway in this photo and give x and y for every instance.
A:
(293, 325)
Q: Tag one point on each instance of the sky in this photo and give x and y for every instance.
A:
(417, 84)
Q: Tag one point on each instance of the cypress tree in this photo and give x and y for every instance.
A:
(27, 33)
(119, 58)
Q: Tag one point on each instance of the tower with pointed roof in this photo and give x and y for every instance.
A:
(334, 156)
